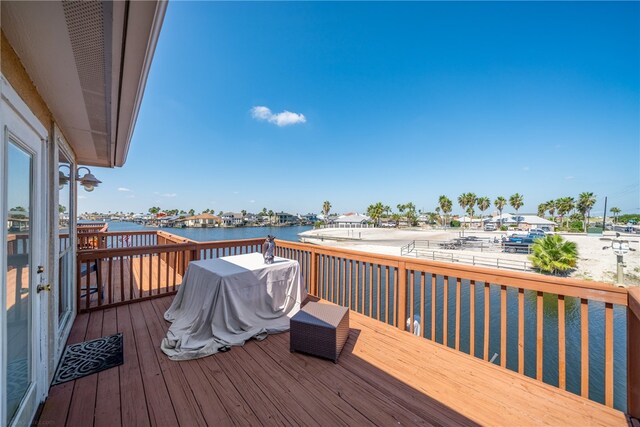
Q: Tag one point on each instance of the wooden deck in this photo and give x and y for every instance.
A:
(384, 377)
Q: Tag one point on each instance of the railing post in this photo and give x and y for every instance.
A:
(402, 296)
(313, 274)
(633, 353)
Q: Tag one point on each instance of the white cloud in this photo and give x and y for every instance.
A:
(252, 201)
(526, 168)
(168, 194)
(285, 118)
(123, 189)
(568, 178)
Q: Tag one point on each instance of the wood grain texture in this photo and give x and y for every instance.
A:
(262, 383)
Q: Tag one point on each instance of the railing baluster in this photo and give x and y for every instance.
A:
(487, 308)
(458, 297)
(370, 290)
(434, 279)
(539, 334)
(122, 278)
(401, 284)
(131, 262)
(562, 354)
(608, 354)
(520, 330)
(99, 281)
(387, 282)
(110, 281)
(503, 326)
(411, 300)
(584, 344)
(379, 292)
(472, 317)
(445, 311)
(357, 293)
(422, 292)
(159, 273)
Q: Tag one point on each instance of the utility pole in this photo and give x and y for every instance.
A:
(604, 217)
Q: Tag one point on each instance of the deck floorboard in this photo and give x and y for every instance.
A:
(384, 376)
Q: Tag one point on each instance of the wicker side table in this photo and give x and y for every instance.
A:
(320, 330)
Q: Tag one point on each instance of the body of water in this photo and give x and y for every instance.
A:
(223, 233)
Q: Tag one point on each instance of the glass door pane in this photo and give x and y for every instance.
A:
(19, 254)
(64, 244)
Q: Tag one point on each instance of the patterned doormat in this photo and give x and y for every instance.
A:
(88, 358)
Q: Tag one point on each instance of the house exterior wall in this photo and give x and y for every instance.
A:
(16, 75)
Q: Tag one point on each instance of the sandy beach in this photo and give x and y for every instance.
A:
(596, 259)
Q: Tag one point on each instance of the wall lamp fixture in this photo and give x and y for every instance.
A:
(88, 181)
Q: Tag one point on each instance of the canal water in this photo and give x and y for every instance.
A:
(550, 321)
(222, 233)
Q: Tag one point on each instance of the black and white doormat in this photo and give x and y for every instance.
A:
(88, 358)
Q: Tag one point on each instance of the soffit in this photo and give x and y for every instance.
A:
(89, 61)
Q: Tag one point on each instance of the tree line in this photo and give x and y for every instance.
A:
(562, 208)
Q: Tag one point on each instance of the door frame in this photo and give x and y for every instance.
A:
(22, 132)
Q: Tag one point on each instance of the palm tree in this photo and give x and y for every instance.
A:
(462, 202)
(585, 204)
(516, 201)
(411, 213)
(483, 203)
(500, 202)
(542, 208)
(445, 206)
(326, 208)
(471, 202)
(270, 213)
(551, 207)
(564, 206)
(554, 255)
(615, 211)
(375, 211)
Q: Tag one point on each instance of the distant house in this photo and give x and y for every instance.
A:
(523, 221)
(310, 217)
(232, 219)
(169, 221)
(251, 218)
(352, 220)
(202, 220)
(465, 221)
(286, 218)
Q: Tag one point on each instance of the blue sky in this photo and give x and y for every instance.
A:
(390, 102)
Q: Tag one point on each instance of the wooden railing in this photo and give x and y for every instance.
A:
(483, 311)
(109, 276)
(633, 353)
(556, 330)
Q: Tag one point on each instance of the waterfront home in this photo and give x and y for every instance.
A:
(170, 221)
(202, 220)
(309, 218)
(232, 219)
(252, 219)
(72, 76)
(283, 218)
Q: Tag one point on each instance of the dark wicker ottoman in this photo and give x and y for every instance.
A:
(320, 330)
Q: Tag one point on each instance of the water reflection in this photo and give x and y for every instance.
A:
(18, 276)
